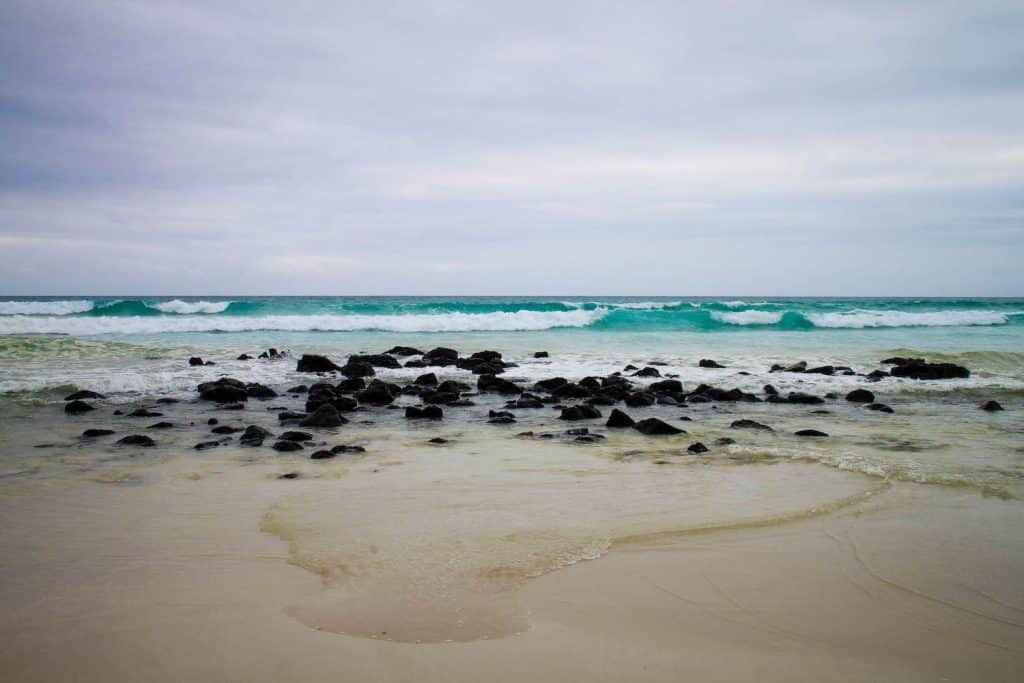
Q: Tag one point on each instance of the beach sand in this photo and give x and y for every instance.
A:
(168, 577)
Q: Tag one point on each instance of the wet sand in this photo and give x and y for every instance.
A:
(165, 575)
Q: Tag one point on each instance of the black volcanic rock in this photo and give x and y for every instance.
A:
(430, 412)
(314, 363)
(991, 406)
(137, 440)
(708, 363)
(810, 432)
(750, 424)
(287, 446)
(93, 433)
(358, 369)
(619, 420)
(377, 360)
(697, 448)
(647, 372)
(84, 394)
(77, 407)
(580, 412)
(326, 416)
(860, 396)
(879, 407)
(919, 369)
(652, 426)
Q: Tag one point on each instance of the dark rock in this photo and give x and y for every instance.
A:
(322, 455)
(629, 367)
(137, 440)
(244, 356)
(860, 396)
(580, 412)
(526, 401)
(231, 406)
(441, 354)
(750, 424)
(900, 360)
(708, 363)
(161, 425)
(571, 390)
(439, 397)
(205, 445)
(377, 394)
(289, 475)
(809, 432)
(505, 419)
(991, 406)
(118, 412)
(358, 369)
(803, 399)
(797, 367)
(287, 446)
(697, 448)
(430, 412)
(541, 354)
(879, 407)
(291, 416)
(296, 436)
(77, 407)
(647, 372)
(670, 386)
(427, 380)
(404, 351)
(314, 363)
(640, 399)
(144, 412)
(502, 386)
(822, 370)
(298, 389)
(653, 426)
(326, 416)
(351, 385)
(415, 364)
(918, 369)
(84, 394)
(876, 375)
(93, 433)
(551, 384)
(724, 441)
(226, 429)
(770, 390)
(212, 421)
(486, 356)
(255, 390)
(195, 360)
(224, 390)
(377, 360)
(438, 439)
(167, 401)
(348, 449)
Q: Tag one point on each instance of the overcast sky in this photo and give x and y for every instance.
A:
(233, 147)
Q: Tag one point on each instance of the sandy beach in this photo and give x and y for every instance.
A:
(169, 577)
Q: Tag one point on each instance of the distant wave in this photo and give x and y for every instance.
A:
(872, 318)
(448, 322)
(748, 317)
(625, 305)
(188, 307)
(44, 307)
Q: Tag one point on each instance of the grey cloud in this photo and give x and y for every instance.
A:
(494, 147)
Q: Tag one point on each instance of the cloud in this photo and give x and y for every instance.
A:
(420, 146)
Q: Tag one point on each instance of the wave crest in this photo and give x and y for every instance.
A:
(875, 318)
(190, 307)
(449, 322)
(45, 307)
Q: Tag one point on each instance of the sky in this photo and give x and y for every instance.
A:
(445, 147)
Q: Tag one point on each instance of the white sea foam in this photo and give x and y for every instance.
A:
(45, 307)
(448, 322)
(627, 305)
(739, 302)
(875, 318)
(188, 307)
(748, 317)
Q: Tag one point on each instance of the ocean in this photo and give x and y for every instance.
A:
(448, 532)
